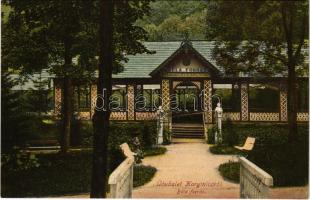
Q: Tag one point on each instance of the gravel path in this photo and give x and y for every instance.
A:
(187, 170)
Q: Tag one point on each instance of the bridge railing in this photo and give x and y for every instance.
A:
(121, 179)
(255, 183)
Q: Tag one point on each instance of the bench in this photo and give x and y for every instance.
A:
(248, 145)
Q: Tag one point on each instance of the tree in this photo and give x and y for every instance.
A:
(44, 34)
(264, 38)
(117, 34)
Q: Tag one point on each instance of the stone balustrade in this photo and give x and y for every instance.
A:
(255, 183)
(121, 179)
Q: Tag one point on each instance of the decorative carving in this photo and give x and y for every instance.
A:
(233, 116)
(118, 116)
(283, 103)
(83, 115)
(207, 86)
(175, 83)
(264, 116)
(146, 116)
(131, 102)
(302, 117)
(244, 102)
(58, 98)
(197, 83)
(93, 96)
(165, 91)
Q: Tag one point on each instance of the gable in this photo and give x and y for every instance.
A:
(185, 61)
(142, 65)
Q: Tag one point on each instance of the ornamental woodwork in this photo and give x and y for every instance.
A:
(93, 96)
(165, 92)
(118, 116)
(244, 102)
(233, 116)
(131, 102)
(302, 117)
(207, 101)
(264, 116)
(146, 116)
(57, 108)
(283, 103)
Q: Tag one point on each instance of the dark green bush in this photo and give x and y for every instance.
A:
(224, 149)
(230, 137)
(231, 171)
(143, 174)
(154, 151)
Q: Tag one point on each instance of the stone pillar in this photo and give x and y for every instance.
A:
(57, 98)
(207, 100)
(283, 103)
(130, 102)
(244, 102)
(93, 98)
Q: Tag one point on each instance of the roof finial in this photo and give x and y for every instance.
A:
(186, 39)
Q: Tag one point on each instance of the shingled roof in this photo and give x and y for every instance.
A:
(141, 65)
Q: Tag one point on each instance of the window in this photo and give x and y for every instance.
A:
(303, 96)
(263, 98)
(118, 101)
(82, 96)
(147, 97)
(230, 97)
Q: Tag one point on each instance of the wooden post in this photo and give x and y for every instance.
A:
(131, 102)
(93, 97)
(244, 92)
(57, 98)
(283, 103)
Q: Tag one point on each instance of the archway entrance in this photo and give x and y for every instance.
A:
(186, 103)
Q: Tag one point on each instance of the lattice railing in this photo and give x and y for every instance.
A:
(303, 117)
(255, 116)
(146, 116)
(233, 116)
(118, 116)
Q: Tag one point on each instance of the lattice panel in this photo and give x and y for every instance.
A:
(175, 83)
(83, 115)
(244, 102)
(118, 116)
(264, 117)
(57, 108)
(207, 86)
(131, 102)
(146, 116)
(197, 83)
(283, 103)
(165, 91)
(93, 95)
(302, 117)
(233, 116)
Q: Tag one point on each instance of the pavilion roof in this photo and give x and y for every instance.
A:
(141, 65)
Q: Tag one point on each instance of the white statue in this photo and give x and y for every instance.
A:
(218, 114)
(160, 124)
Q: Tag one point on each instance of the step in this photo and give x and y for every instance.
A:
(187, 136)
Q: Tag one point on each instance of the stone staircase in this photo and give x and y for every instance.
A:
(183, 130)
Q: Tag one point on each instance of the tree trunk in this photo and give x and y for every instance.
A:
(101, 116)
(292, 104)
(67, 94)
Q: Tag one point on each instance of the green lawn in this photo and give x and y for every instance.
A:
(59, 175)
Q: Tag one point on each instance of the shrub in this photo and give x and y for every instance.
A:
(143, 174)
(224, 149)
(230, 137)
(154, 151)
(231, 171)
